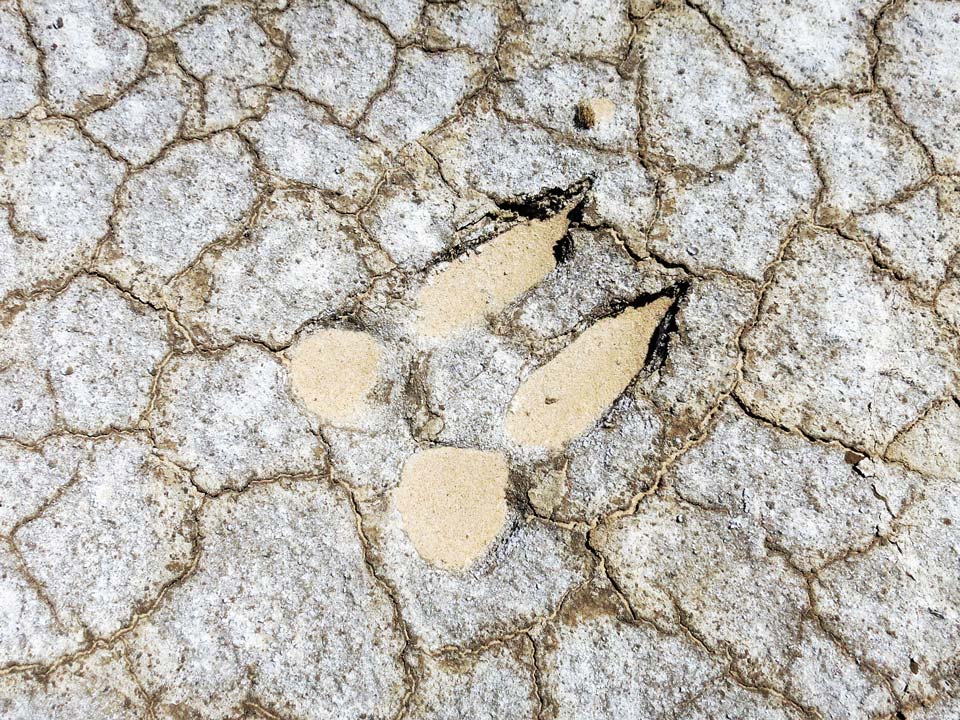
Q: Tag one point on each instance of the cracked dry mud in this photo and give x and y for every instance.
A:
(420, 359)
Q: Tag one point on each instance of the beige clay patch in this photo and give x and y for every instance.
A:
(484, 282)
(594, 111)
(333, 372)
(453, 503)
(563, 398)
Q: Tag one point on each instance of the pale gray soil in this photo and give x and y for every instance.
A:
(554, 359)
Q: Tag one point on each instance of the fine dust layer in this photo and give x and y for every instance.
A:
(564, 397)
(452, 503)
(333, 371)
(484, 282)
(416, 360)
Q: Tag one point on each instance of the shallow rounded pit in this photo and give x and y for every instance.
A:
(453, 503)
(333, 372)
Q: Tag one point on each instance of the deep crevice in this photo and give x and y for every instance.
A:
(563, 249)
(549, 202)
(667, 328)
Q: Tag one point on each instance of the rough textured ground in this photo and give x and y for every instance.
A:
(375, 359)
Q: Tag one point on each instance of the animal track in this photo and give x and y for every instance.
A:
(490, 358)
(558, 396)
